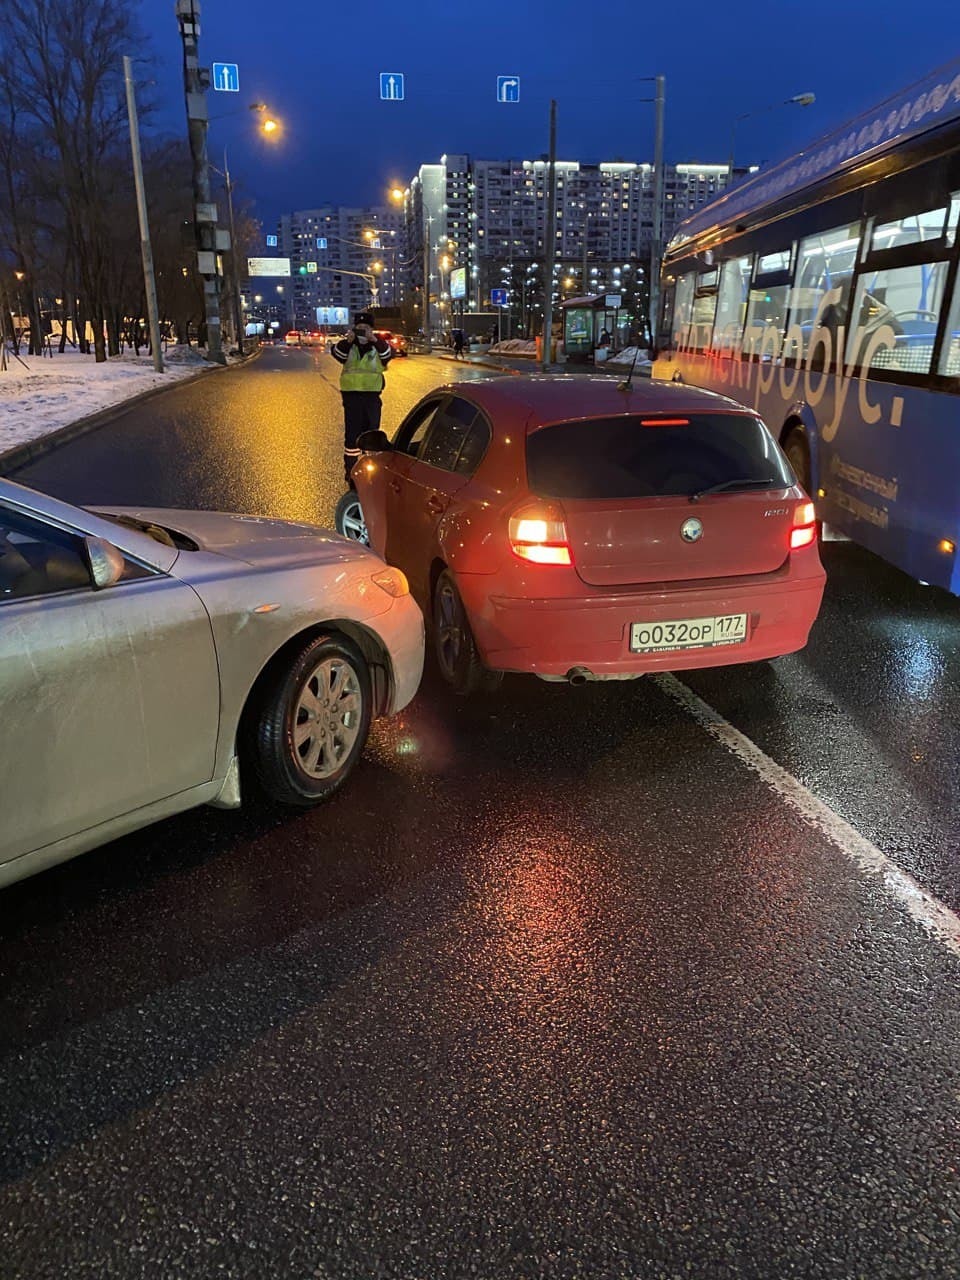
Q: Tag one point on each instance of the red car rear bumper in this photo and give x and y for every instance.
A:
(549, 636)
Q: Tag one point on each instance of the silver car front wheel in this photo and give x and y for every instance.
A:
(308, 726)
(327, 717)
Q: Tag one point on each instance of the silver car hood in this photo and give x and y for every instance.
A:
(252, 539)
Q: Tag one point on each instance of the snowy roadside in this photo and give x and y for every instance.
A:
(629, 355)
(49, 394)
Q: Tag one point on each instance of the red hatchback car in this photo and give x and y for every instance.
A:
(571, 528)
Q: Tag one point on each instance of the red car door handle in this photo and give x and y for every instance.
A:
(436, 505)
(395, 486)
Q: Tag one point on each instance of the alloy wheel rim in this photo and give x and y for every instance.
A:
(354, 525)
(327, 717)
(449, 629)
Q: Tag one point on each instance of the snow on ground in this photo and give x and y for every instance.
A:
(514, 347)
(48, 393)
(625, 360)
(627, 357)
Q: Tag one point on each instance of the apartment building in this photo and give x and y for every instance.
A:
(341, 257)
(489, 218)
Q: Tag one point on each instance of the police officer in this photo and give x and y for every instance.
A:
(364, 358)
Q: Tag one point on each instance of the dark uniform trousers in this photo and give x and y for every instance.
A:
(361, 412)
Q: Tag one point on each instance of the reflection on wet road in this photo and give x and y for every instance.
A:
(556, 988)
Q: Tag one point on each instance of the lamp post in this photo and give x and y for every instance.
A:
(269, 125)
(798, 100)
(19, 277)
(372, 236)
(370, 278)
(234, 267)
(550, 246)
(396, 194)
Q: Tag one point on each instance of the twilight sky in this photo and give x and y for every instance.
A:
(317, 67)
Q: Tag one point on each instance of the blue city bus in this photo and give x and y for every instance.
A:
(823, 293)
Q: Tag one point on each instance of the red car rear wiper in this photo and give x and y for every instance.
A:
(745, 483)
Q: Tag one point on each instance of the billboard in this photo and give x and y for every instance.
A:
(268, 266)
(333, 315)
(458, 282)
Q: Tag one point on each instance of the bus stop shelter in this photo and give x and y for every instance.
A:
(584, 320)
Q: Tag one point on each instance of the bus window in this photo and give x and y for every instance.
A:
(950, 355)
(907, 300)
(934, 224)
(731, 303)
(766, 310)
(824, 263)
(683, 308)
(704, 306)
(768, 263)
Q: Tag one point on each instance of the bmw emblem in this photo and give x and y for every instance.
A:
(691, 530)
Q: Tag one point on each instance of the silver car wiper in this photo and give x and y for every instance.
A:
(744, 483)
(155, 531)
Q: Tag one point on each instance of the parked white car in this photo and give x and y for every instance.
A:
(150, 660)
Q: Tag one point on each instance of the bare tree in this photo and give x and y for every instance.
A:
(64, 65)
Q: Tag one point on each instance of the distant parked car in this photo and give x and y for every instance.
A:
(151, 661)
(397, 341)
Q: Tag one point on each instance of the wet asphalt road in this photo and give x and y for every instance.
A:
(558, 987)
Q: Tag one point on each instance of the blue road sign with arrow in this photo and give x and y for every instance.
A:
(391, 86)
(272, 242)
(508, 88)
(226, 77)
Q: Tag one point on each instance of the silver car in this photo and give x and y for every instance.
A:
(150, 660)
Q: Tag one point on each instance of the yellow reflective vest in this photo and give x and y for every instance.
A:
(362, 370)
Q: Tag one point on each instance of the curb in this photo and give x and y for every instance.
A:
(611, 372)
(21, 455)
(481, 364)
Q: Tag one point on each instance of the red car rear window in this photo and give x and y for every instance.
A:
(640, 457)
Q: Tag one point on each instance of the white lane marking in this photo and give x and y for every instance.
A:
(934, 915)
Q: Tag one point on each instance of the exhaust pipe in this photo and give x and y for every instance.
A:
(578, 675)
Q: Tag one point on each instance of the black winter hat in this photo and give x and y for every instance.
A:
(364, 317)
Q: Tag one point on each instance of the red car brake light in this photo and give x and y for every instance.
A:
(804, 531)
(538, 533)
(664, 422)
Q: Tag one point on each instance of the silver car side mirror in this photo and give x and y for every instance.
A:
(106, 562)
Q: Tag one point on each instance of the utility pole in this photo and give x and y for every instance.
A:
(656, 247)
(551, 242)
(196, 80)
(146, 252)
(426, 275)
(584, 283)
(234, 261)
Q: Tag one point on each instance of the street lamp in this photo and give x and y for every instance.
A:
(234, 268)
(798, 100)
(397, 195)
(378, 234)
(268, 125)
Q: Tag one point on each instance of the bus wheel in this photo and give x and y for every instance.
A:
(798, 455)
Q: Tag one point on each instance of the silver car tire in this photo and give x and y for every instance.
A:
(311, 723)
(349, 520)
